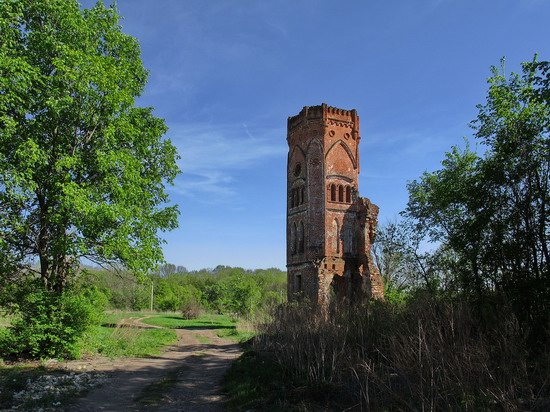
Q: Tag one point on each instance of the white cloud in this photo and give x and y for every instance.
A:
(211, 155)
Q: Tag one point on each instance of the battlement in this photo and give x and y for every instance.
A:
(323, 113)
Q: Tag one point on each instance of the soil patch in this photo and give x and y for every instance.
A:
(186, 377)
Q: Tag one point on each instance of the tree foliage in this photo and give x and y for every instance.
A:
(224, 289)
(82, 169)
(49, 324)
(493, 210)
(406, 265)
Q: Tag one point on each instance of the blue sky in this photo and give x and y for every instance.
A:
(226, 74)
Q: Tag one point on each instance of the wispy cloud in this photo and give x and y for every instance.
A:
(212, 155)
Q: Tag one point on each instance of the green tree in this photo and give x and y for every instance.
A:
(493, 211)
(239, 294)
(407, 264)
(172, 292)
(82, 169)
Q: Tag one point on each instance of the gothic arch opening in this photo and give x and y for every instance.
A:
(336, 153)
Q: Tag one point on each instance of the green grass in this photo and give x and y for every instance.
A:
(112, 317)
(207, 321)
(113, 342)
(224, 325)
(126, 342)
(235, 335)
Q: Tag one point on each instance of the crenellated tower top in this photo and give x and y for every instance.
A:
(328, 115)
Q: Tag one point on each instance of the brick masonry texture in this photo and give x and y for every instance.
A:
(330, 228)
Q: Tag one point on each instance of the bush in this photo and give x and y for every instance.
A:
(48, 325)
(6, 341)
(191, 308)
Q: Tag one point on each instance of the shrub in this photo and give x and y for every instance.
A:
(191, 308)
(48, 325)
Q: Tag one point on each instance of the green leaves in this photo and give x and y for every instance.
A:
(493, 211)
(49, 325)
(83, 170)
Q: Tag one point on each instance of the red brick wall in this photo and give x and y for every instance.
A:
(328, 253)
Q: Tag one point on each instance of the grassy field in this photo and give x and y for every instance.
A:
(114, 342)
(110, 341)
(125, 342)
(224, 325)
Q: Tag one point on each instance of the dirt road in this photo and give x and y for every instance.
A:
(185, 377)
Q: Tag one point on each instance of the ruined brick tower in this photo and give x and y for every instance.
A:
(330, 229)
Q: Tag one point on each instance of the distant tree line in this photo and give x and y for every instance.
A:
(223, 289)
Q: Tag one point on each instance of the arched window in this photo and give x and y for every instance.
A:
(341, 194)
(301, 237)
(348, 194)
(333, 193)
(302, 192)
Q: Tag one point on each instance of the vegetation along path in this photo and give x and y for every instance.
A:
(183, 378)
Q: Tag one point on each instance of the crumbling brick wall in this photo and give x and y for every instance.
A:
(330, 228)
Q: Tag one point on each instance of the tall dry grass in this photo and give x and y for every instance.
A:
(426, 355)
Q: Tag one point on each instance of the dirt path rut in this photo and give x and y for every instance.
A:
(185, 377)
